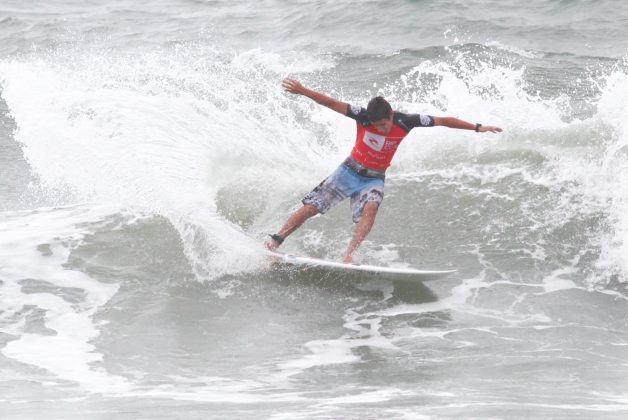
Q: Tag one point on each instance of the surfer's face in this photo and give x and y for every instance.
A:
(384, 125)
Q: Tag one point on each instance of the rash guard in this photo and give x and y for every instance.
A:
(375, 150)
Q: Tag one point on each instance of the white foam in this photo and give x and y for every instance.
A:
(584, 162)
(67, 353)
(364, 332)
(217, 389)
(613, 172)
(556, 280)
(368, 397)
(156, 138)
(519, 51)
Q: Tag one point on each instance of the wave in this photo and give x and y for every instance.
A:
(161, 133)
(206, 138)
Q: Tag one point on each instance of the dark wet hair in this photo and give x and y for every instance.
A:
(377, 109)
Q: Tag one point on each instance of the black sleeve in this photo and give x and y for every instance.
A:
(409, 121)
(357, 113)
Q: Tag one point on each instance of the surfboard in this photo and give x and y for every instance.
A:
(391, 273)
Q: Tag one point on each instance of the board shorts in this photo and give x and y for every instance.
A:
(342, 183)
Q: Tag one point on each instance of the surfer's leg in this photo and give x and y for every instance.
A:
(326, 195)
(362, 229)
(364, 206)
(293, 223)
(321, 199)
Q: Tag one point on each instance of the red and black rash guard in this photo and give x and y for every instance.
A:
(374, 149)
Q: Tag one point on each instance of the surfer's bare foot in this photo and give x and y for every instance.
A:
(347, 259)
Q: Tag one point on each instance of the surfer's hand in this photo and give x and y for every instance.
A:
(292, 86)
(271, 245)
(492, 129)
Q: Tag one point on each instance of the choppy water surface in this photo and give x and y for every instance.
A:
(146, 149)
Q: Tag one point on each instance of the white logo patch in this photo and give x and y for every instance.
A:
(425, 119)
(355, 110)
(374, 141)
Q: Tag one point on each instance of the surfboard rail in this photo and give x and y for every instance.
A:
(385, 272)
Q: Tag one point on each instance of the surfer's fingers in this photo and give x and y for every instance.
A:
(490, 128)
(291, 85)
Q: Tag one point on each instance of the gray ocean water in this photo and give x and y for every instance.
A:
(146, 149)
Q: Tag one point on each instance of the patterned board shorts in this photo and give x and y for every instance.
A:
(345, 183)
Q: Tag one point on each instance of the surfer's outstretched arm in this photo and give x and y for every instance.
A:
(294, 86)
(452, 122)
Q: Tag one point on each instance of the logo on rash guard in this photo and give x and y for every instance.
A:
(355, 110)
(374, 141)
(390, 145)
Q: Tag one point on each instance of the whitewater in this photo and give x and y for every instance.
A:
(147, 150)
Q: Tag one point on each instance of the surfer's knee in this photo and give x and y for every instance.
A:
(310, 210)
(371, 206)
(370, 209)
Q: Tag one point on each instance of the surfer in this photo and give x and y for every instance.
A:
(361, 176)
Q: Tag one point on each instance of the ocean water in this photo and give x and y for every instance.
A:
(147, 149)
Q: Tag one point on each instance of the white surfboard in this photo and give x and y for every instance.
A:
(391, 273)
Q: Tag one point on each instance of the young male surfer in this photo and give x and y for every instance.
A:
(361, 176)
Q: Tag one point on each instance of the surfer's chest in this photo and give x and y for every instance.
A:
(370, 139)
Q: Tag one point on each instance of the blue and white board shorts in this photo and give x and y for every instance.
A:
(343, 183)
